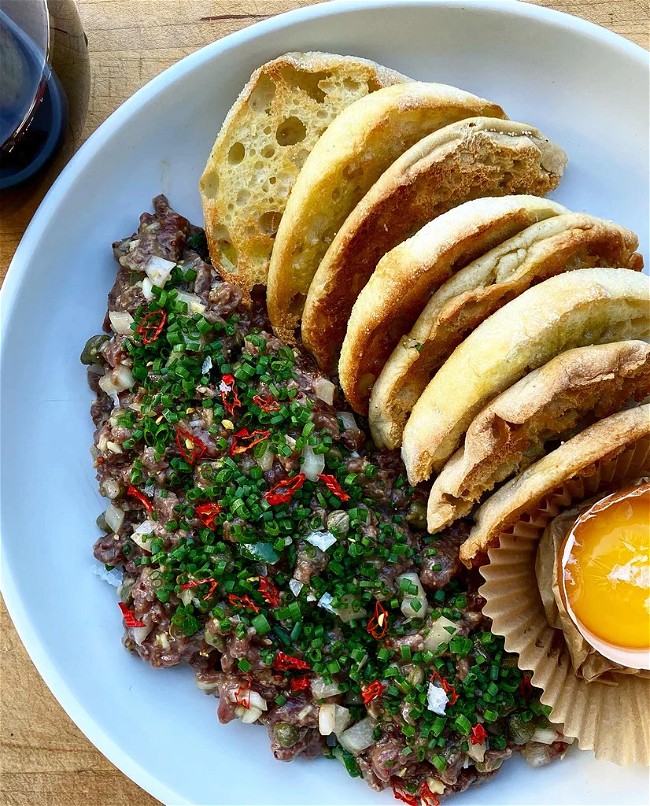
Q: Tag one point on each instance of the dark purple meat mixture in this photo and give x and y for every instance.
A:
(196, 426)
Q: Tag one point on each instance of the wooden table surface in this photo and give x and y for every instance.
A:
(44, 759)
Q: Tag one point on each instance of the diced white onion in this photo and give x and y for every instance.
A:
(439, 635)
(147, 289)
(206, 366)
(333, 718)
(159, 270)
(145, 528)
(436, 699)
(321, 690)
(312, 464)
(408, 599)
(186, 595)
(347, 418)
(117, 380)
(347, 612)
(322, 540)
(194, 304)
(545, 735)
(325, 602)
(140, 633)
(207, 687)
(536, 754)
(121, 322)
(359, 737)
(325, 389)
(248, 715)
(257, 701)
(265, 461)
(476, 751)
(295, 586)
(114, 517)
(113, 447)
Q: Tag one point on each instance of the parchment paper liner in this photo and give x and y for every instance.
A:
(611, 720)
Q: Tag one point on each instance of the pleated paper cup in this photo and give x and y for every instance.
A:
(610, 716)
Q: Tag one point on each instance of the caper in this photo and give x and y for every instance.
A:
(338, 522)
(101, 522)
(334, 454)
(520, 732)
(285, 734)
(90, 353)
(417, 515)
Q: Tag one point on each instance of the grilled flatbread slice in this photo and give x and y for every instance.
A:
(578, 459)
(585, 306)
(568, 394)
(281, 112)
(348, 159)
(406, 276)
(565, 242)
(466, 160)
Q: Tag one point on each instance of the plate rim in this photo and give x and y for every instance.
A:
(12, 284)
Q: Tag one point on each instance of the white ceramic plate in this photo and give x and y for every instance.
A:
(583, 86)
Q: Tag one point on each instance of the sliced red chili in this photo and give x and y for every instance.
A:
(333, 486)
(285, 490)
(399, 791)
(526, 688)
(196, 582)
(300, 684)
(268, 403)
(284, 663)
(244, 439)
(449, 690)
(478, 734)
(243, 697)
(229, 396)
(141, 497)
(152, 325)
(427, 797)
(207, 514)
(378, 624)
(243, 603)
(269, 591)
(190, 447)
(129, 616)
(372, 691)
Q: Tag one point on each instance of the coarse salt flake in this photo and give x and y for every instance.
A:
(322, 540)
(436, 699)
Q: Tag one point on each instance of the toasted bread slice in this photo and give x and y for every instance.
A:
(579, 458)
(565, 242)
(348, 159)
(554, 402)
(585, 306)
(405, 277)
(281, 112)
(466, 160)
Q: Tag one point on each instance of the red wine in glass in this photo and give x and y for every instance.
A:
(33, 105)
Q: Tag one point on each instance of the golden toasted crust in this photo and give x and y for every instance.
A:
(466, 160)
(281, 112)
(404, 279)
(347, 160)
(565, 242)
(554, 402)
(585, 306)
(579, 457)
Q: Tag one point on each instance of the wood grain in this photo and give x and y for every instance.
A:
(44, 758)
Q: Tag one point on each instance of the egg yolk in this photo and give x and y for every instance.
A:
(607, 570)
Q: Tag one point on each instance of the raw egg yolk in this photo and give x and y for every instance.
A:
(607, 572)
